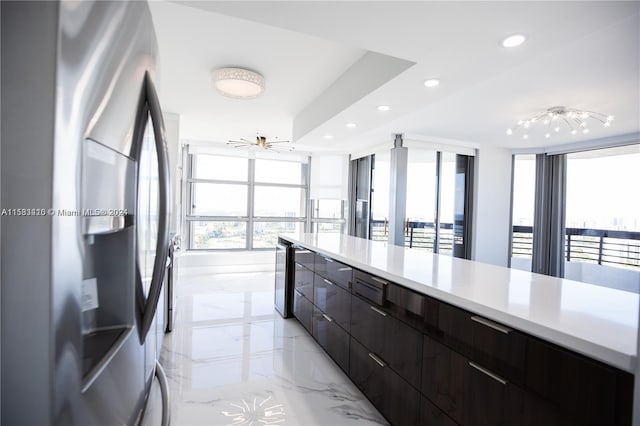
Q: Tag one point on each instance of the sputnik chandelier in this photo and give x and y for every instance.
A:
(559, 118)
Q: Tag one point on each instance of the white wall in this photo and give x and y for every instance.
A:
(492, 206)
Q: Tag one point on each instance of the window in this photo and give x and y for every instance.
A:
(587, 216)
(524, 186)
(380, 196)
(602, 240)
(328, 216)
(240, 203)
(421, 199)
(438, 202)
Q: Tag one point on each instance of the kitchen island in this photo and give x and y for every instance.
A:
(432, 339)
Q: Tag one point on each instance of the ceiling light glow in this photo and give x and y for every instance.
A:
(238, 83)
(559, 118)
(351, 125)
(513, 40)
(328, 136)
(383, 108)
(432, 82)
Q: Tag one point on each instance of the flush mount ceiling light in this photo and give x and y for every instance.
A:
(560, 118)
(513, 40)
(238, 83)
(432, 82)
(351, 125)
(328, 136)
(383, 108)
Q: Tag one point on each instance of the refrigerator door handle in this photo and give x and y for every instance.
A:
(162, 246)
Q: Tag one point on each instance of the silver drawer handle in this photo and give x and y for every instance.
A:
(384, 314)
(328, 318)
(343, 269)
(327, 281)
(491, 324)
(298, 292)
(488, 373)
(298, 264)
(328, 260)
(376, 359)
(380, 280)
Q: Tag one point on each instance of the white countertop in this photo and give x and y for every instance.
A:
(598, 322)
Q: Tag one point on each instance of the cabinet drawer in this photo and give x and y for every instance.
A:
(403, 350)
(494, 345)
(320, 264)
(333, 301)
(433, 416)
(339, 273)
(303, 281)
(303, 310)
(399, 344)
(443, 378)
(367, 324)
(303, 256)
(587, 393)
(332, 338)
(389, 393)
(370, 287)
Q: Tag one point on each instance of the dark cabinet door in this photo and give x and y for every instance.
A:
(367, 324)
(303, 280)
(494, 345)
(585, 391)
(401, 400)
(486, 397)
(396, 399)
(366, 372)
(430, 415)
(403, 350)
(397, 343)
(444, 378)
(339, 273)
(303, 256)
(332, 300)
(302, 310)
(332, 338)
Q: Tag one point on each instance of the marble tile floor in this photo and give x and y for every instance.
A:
(233, 360)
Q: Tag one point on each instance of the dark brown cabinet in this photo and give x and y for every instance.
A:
(303, 257)
(423, 361)
(333, 338)
(333, 300)
(432, 416)
(303, 280)
(398, 401)
(585, 392)
(302, 310)
(398, 344)
(494, 345)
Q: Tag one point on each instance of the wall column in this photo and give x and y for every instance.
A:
(398, 191)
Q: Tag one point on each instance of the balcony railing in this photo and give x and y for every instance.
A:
(598, 246)
(420, 235)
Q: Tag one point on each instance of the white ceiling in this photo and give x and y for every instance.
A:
(578, 54)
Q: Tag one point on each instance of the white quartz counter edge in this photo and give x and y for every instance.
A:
(620, 356)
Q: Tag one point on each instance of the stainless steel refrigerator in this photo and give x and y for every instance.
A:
(85, 205)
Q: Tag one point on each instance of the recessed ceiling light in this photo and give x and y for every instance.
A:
(432, 82)
(350, 125)
(328, 136)
(383, 108)
(513, 40)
